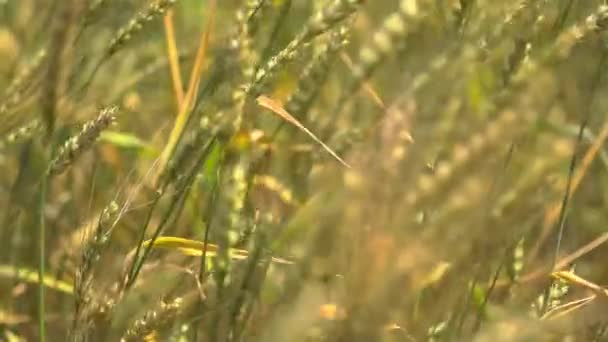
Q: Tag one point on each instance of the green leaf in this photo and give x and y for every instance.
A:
(127, 141)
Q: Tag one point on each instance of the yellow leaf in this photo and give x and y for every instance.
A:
(195, 248)
(31, 276)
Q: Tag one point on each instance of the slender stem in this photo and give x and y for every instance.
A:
(41, 260)
(209, 221)
(172, 55)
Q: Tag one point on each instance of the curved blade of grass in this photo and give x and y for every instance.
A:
(31, 276)
(277, 108)
(185, 109)
(191, 247)
(172, 55)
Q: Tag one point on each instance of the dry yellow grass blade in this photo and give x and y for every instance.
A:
(201, 53)
(176, 76)
(588, 247)
(568, 259)
(196, 248)
(565, 309)
(195, 76)
(277, 108)
(31, 276)
(553, 213)
(572, 278)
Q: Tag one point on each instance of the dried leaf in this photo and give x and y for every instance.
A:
(278, 109)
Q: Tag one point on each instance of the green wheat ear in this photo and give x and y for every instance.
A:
(136, 25)
(320, 23)
(20, 134)
(315, 74)
(389, 38)
(83, 141)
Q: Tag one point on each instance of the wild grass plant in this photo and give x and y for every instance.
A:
(289, 170)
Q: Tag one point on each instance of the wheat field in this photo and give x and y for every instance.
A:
(303, 170)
